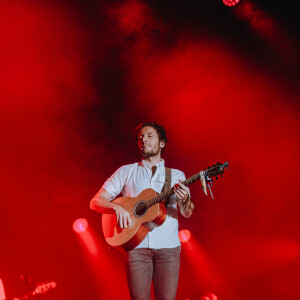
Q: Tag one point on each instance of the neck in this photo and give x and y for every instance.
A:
(153, 160)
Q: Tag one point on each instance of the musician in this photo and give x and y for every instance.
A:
(157, 257)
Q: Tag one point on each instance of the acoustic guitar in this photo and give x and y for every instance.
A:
(147, 207)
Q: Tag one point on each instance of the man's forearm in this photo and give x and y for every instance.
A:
(186, 208)
(102, 206)
(101, 202)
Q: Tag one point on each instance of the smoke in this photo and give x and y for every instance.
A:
(77, 79)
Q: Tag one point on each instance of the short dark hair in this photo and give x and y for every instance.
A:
(161, 132)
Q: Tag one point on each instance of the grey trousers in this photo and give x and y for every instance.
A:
(161, 265)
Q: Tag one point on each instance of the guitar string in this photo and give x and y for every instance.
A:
(159, 198)
(150, 202)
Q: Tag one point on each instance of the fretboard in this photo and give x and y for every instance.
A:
(161, 197)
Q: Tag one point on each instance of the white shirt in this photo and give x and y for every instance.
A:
(131, 180)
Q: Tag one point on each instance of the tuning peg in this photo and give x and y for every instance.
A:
(222, 175)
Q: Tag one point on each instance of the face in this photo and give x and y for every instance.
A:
(149, 143)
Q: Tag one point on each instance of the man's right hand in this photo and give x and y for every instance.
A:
(101, 202)
(123, 216)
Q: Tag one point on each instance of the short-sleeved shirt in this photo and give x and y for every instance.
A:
(131, 180)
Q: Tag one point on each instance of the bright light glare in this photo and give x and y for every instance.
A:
(184, 235)
(80, 225)
(210, 296)
(230, 2)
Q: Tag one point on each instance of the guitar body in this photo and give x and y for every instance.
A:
(128, 238)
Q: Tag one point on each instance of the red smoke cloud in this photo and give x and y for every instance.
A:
(58, 143)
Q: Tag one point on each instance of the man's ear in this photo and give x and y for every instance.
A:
(162, 144)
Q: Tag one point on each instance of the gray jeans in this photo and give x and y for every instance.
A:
(161, 265)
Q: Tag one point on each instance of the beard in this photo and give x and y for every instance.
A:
(150, 151)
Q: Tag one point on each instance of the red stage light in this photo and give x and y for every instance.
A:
(80, 225)
(230, 2)
(2, 293)
(209, 296)
(184, 235)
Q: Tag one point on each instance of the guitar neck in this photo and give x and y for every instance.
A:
(161, 197)
(210, 172)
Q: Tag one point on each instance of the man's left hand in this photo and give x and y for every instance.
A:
(181, 191)
(185, 204)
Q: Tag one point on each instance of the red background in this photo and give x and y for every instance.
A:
(78, 76)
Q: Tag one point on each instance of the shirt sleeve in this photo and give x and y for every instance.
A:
(176, 175)
(115, 183)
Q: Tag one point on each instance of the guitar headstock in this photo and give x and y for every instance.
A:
(217, 169)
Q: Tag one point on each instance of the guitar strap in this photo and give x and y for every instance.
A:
(167, 184)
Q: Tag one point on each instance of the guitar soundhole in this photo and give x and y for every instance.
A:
(140, 209)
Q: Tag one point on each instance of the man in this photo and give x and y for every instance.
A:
(157, 256)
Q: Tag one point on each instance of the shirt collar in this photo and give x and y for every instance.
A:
(161, 164)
